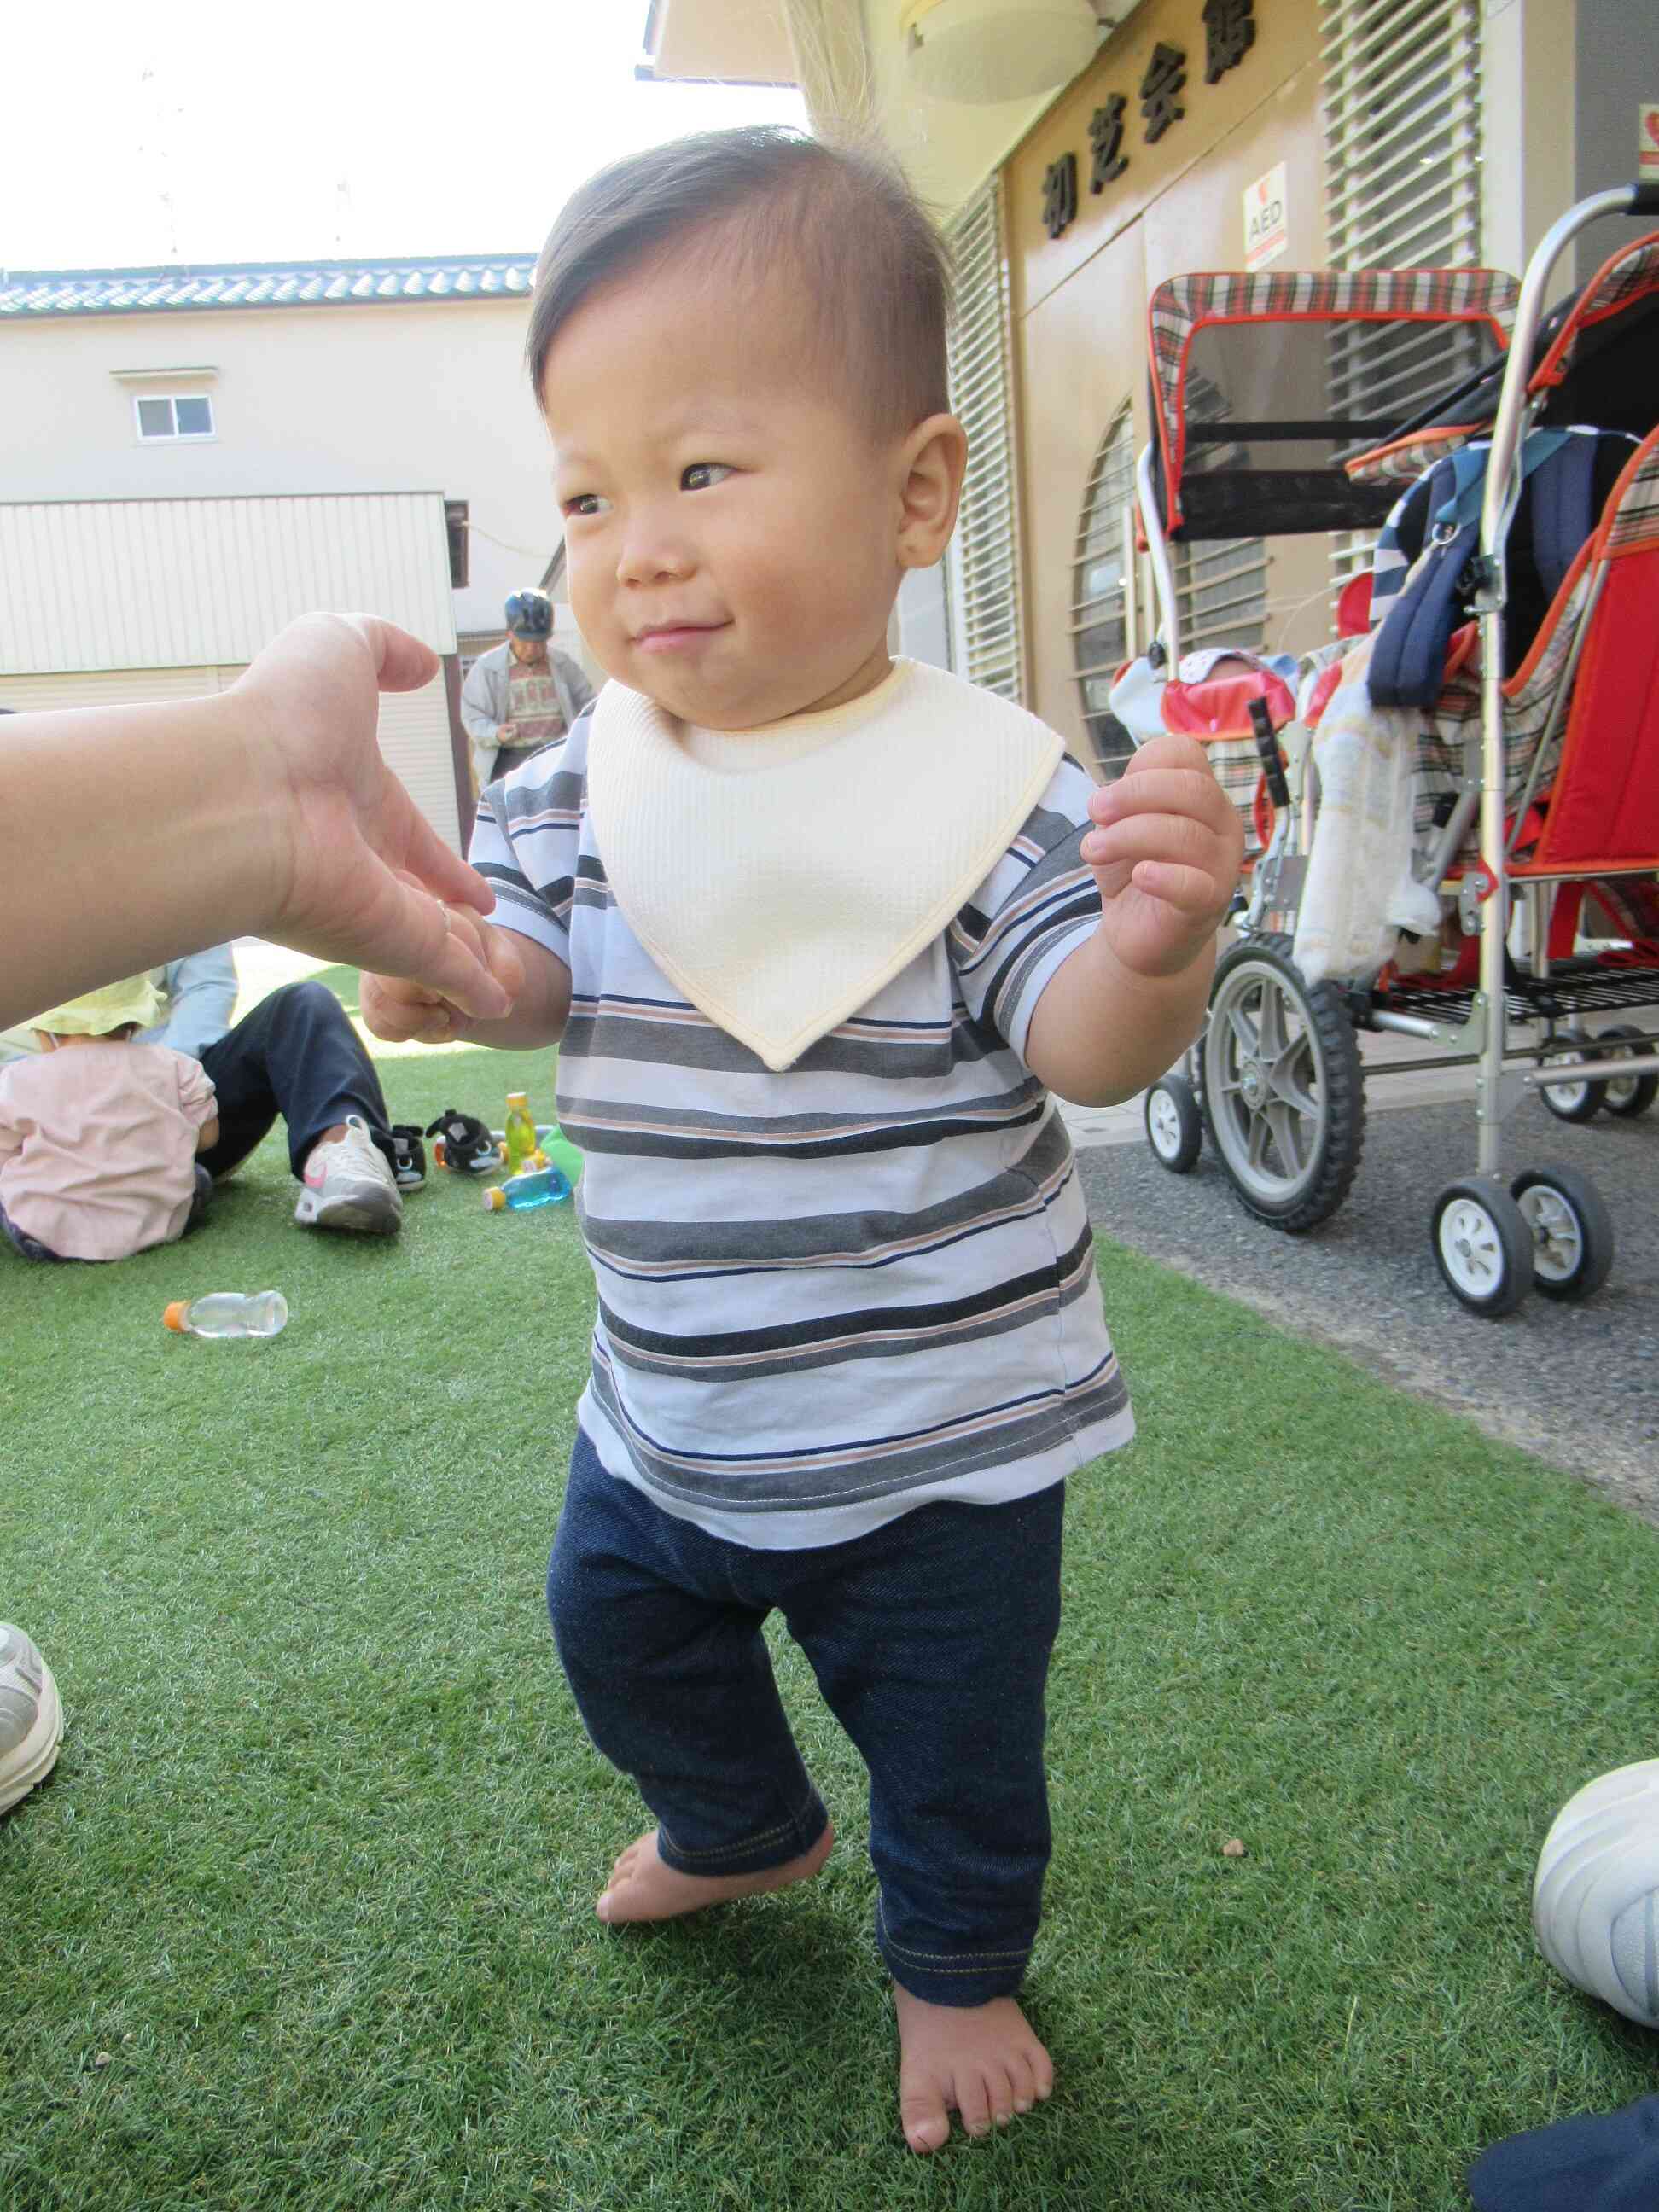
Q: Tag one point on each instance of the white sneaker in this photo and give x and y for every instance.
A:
(348, 1185)
(31, 1718)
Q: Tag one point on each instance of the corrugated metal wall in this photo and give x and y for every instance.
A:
(414, 725)
(87, 585)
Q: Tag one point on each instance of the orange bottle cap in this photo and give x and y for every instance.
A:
(174, 1316)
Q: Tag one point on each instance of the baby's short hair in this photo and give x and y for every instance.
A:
(872, 270)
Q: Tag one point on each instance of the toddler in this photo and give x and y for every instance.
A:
(98, 1135)
(820, 932)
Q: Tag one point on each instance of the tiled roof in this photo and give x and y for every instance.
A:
(264, 284)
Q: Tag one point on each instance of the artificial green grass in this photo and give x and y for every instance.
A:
(304, 1917)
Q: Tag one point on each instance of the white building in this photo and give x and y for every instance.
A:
(191, 456)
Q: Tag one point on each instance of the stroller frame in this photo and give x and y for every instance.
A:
(1492, 1239)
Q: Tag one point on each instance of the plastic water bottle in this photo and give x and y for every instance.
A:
(228, 1313)
(538, 1187)
(520, 1135)
(553, 1148)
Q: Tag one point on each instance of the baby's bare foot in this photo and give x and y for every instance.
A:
(641, 1888)
(981, 2060)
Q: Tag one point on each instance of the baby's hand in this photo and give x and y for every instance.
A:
(1165, 850)
(403, 1010)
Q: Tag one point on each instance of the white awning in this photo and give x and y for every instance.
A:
(183, 583)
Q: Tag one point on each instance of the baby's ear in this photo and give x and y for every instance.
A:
(932, 459)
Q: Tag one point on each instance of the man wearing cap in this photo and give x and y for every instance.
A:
(521, 695)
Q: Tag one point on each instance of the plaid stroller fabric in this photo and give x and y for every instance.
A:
(1184, 305)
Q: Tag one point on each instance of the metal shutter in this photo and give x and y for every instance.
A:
(415, 743)
(1103, 582)
(1402, 132)
(1402, 189)
(988, 639)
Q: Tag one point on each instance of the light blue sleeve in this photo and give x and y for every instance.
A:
(201, 991)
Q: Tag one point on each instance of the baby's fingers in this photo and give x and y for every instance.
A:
(1133, 838)
(407, 1013)
(1190, 891)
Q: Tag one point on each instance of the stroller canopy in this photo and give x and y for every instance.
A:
(1593, 363)
(1259, 383)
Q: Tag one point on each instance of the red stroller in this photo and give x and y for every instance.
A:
(1444, 846)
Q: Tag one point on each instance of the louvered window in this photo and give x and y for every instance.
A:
(1402, 191)
(1102, 588)
(983, 569)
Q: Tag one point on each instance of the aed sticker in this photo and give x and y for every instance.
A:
(1267, 225)
(1647, 142)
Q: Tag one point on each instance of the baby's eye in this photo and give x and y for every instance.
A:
(584, 502)
(702, 476)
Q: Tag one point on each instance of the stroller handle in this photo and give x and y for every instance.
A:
(1644, 198)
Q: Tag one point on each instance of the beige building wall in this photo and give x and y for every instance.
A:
(1079, 302)
(400, 397)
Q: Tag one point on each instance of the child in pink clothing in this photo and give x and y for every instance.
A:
(99, 1136)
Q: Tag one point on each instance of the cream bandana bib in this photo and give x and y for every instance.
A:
(779, 897)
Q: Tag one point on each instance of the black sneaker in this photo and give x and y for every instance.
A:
(408, 1155)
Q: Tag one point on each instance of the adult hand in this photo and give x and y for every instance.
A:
(1166, 851)
(505, 734)
(356, 873)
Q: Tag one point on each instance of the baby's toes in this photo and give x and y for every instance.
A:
(1021, 2080)
(923, 2115)
(974, 2099)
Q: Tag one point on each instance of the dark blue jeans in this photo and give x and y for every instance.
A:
(295, 1054)
(930, 1640)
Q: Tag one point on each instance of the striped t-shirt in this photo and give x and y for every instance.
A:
(831, 1294)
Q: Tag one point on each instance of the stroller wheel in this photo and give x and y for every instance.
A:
(1284, 1095)
(1482, 1246)
(1570, 1228)
(1175, 1127)
(1627, 1096)
(1571, 1102)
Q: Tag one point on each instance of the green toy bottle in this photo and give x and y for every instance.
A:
(519, 1137)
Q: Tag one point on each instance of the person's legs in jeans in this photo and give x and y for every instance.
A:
(297, 1054)
(660, 1641)
(931, 1642)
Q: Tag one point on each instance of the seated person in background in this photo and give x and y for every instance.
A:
(297, 1055)
(98, 1141)
(520, 694)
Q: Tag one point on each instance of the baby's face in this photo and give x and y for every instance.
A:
(731, 526)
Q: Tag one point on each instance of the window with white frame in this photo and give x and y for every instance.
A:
(170, 418)
(983, 568)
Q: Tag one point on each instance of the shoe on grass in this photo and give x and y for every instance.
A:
(408, 1156)
(31, 1718)
(348, 1185)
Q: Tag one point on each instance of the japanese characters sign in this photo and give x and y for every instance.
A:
(1159, 99)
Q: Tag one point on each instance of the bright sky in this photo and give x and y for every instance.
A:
(193, 132)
